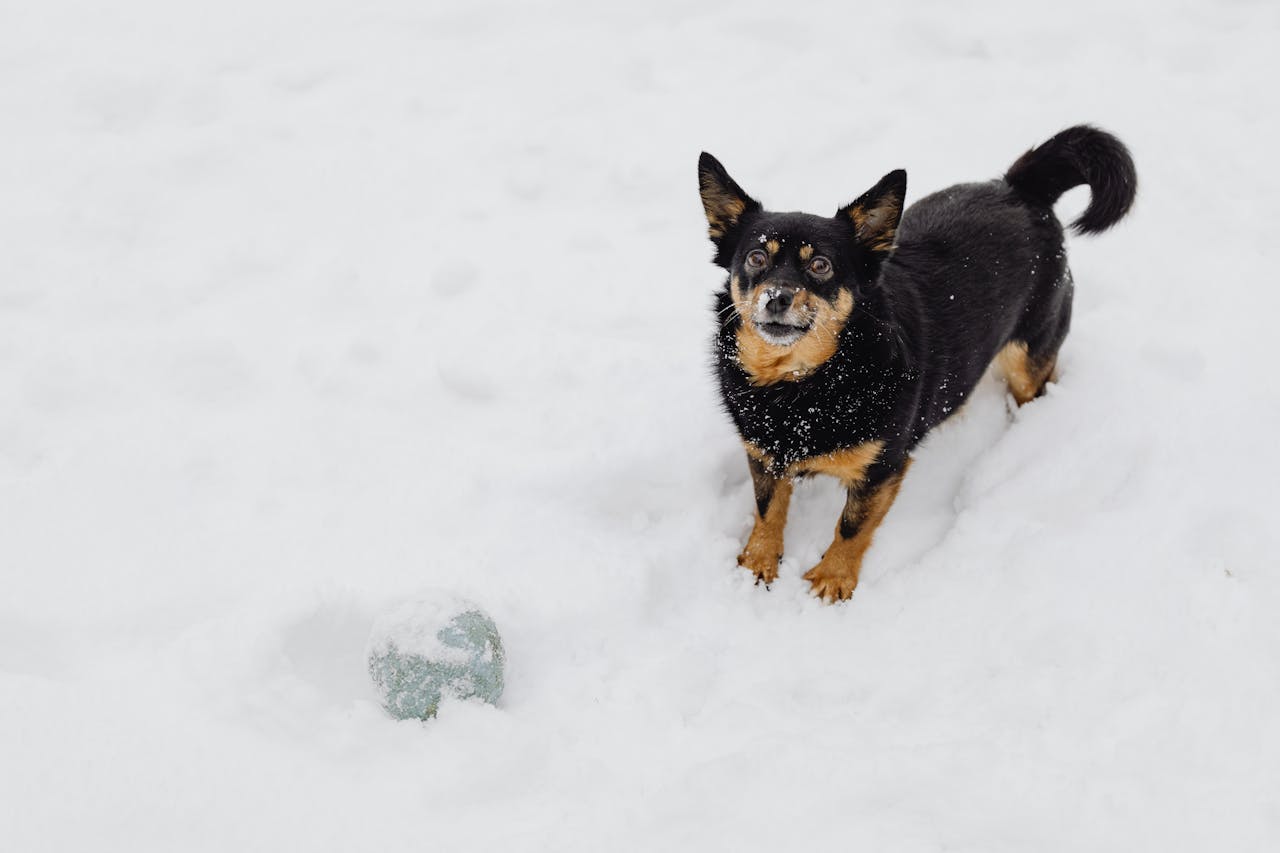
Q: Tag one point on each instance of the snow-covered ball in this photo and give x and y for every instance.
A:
(439, 645)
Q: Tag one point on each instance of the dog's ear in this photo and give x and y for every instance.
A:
(876, 213)
(725, 204)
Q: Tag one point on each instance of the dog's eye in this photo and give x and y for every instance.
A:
(756, 259)
(820, 266)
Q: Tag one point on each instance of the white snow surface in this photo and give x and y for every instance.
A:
(306, 306)
(412, 627)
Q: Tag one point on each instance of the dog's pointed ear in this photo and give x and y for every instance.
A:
(724, 202)
(876, 213)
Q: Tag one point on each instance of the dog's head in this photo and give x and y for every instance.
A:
(794, 277)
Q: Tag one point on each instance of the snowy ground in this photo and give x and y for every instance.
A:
(307, 306)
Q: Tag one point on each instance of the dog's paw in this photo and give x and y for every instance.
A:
(831, 581)
(764, 565)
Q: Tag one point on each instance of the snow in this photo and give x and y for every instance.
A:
(305, 307)
(412, 626)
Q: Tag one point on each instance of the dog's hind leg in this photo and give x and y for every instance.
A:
(764, 547)
(836, 575)
(1030, 359)
(1025, 373)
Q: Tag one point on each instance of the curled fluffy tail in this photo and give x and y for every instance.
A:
(1079, 155)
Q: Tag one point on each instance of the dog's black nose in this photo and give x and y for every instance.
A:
(779, 301)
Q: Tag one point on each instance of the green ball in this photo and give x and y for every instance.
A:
(439, 646)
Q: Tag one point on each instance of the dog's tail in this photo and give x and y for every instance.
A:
(1079, 155)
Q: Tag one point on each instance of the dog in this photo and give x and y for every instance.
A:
(842, 341)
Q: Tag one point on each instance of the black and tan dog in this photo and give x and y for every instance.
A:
(844, 340)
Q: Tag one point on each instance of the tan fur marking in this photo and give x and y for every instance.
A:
(884, 244)
(806, 252)
(764, 546)
(722, 208)
(836, 575)
(871, 224)
(767, 363)
(848, 466)
(1025, 376)
(772, 247)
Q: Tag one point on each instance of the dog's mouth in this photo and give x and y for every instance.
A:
(782, 334)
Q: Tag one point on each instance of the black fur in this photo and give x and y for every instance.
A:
(975, 266)
(1079, 155)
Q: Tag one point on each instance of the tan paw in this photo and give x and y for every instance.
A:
(831, 581)
(764, 565)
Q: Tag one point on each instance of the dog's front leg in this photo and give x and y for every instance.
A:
(836, 574)
(764, 547)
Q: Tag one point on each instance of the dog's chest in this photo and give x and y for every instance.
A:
(837, 407)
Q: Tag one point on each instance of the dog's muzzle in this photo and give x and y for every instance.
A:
(777, 318)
